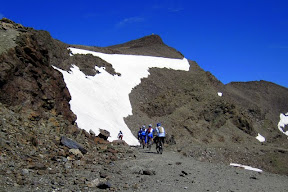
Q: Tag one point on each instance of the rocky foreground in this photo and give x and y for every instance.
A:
(35, 156)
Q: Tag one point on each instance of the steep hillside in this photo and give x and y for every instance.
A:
(199, 123)
(213, 128)
(206, 126)
(270, 98)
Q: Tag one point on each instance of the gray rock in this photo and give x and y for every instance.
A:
(72, 144)
(94, 183)
(68, 165)
(25, 172)
(92, 132)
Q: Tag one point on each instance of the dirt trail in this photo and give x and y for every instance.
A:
(171, 171)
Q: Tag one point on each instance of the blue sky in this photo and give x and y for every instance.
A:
(236, 40)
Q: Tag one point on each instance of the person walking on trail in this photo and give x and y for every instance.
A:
(139, 134)
(120, 135)
(149, 134)
(160, 133)
(143, 136)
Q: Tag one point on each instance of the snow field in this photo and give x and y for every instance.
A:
(102, 101)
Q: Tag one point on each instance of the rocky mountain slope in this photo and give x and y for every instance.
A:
(35, 111)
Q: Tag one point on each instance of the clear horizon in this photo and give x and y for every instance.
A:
(234, 40)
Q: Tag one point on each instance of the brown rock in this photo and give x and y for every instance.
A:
(37, 166)
(34, 141)
(99, 140)
(104, 134)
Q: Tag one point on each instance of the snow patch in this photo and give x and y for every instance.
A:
(102, 101)
(283, 122)
(260, 138)
(246, 167)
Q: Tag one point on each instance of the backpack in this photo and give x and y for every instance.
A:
(149, 130)
(161, 129)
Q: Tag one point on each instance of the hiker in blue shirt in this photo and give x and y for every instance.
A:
(139, 134)
(143, 138)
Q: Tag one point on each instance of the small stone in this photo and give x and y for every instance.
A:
(64, 159)
(126, 186)
(104, 185)
(135, 186)
(93, 183)
(70, 158)
(78, 163)
(149, 172)
(51, 170)
(34, 141)
(38, 166)
(41, 172)
(102, 147)
(8, 172)
(25, 171)
(76, 152)
(92, 132)
(57, 138)
(15, 184)
(185, 173)
(68, 165)
(103, 174)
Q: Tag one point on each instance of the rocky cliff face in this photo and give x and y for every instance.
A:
(28, 80)
(204, 125)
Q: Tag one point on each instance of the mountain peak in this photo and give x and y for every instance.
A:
(149, 40)
(146, 41)
(151, 45)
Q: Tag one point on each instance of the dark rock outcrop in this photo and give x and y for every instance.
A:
(28, 79)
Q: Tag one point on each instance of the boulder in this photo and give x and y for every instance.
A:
(104, 134)
(72, 144)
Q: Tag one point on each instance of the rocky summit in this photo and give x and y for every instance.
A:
(209, 125)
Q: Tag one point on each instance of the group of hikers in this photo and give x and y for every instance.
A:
(149, 136)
